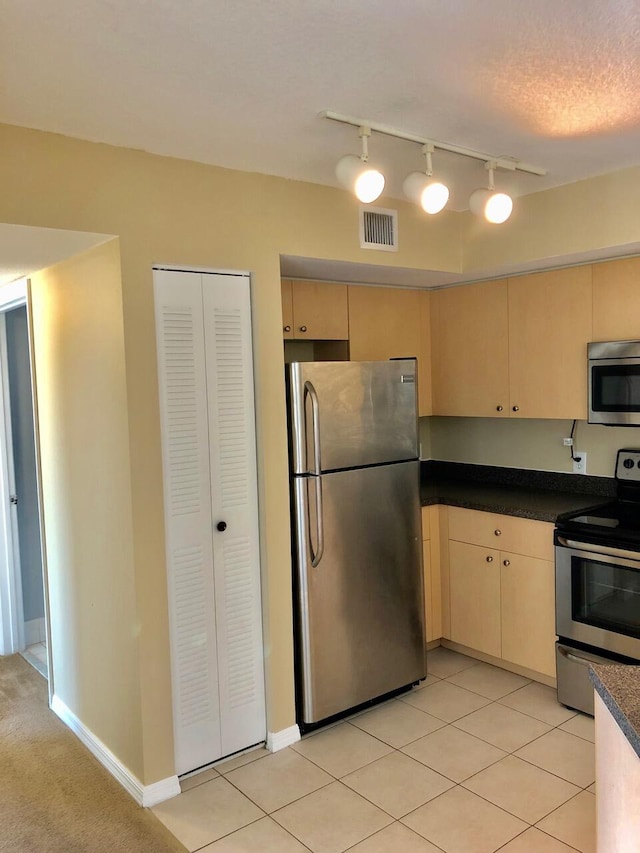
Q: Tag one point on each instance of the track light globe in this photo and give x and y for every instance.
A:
(498, 208)
(494, 207)
(434, 197)
(356, 175)
(430, 195)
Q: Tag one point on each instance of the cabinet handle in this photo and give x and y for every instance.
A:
(489, 559)
(303, 328)
(516, 408)
(498, 532)
(499, 408)
(506, 562)
(287, 328)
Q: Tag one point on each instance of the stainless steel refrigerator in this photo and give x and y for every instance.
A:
(356, 519)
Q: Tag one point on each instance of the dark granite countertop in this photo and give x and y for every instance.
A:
(540, 495)
(619, 688)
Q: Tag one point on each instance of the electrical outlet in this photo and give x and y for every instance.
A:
(581, 466)
(568, 442)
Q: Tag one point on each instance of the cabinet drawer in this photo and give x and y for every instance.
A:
(503, 532)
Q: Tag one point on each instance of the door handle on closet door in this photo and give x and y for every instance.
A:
(221, 526)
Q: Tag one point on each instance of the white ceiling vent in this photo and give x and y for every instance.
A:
(379, 229)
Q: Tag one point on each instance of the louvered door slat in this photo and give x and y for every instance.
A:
(234, 499)
(185, 447)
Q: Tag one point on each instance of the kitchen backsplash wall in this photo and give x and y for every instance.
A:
(534, 444)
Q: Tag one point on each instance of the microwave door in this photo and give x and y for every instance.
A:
(614, 392)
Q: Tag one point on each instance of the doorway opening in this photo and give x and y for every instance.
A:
(22, 589)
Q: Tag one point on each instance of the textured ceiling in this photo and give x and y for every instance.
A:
(554, 82)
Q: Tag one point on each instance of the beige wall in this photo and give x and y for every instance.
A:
(520, 443)
(597, 213)
(175, 212)
(84, 443)
(169, 211)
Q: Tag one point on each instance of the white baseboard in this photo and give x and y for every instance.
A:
(34, 631)
(283, 738)
(144, 795)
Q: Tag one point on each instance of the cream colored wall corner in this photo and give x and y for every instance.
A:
(592, 214)
(168, 211)
(521, 443)
(84, 443)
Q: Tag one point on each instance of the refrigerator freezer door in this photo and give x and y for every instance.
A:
(360, 622)
(348, 414)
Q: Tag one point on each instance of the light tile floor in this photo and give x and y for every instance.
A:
(36, 655)
(475, 760)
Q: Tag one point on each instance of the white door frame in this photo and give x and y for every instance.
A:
(14, 295)
(11, 601)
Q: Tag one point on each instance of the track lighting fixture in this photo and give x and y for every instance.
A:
(356, 175)
(495, 207)
(422, 189)
(367, 183)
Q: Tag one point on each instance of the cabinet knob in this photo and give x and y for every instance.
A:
(516, 408)
(498, 532)
(506, 562)
(287, 328)
(499, 408)
(303, 328)
(489, 559)
(221, 526)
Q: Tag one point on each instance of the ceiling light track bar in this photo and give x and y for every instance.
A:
(387, 130)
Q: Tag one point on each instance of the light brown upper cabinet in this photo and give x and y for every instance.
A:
(550, 324)
(616, 300)
(470, 349)
(390, 322)
(319, 311)
(287, 308)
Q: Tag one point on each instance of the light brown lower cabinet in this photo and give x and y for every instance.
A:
(527, 608)
(474, 589)
(431, 568)
(502, 603)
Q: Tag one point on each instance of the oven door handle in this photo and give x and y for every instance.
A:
(574, 658)
(598, 549)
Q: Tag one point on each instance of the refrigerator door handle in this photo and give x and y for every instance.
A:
(315, 558)
(315, 412)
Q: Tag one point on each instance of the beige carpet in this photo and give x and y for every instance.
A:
(54, 796)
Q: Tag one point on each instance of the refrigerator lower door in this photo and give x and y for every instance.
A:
(360, 610)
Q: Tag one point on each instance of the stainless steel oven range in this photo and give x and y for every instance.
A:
(598, 586)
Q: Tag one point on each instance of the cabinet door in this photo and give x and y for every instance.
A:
(550, 324)
(616, 300)
(470, 347)
(474, 590)
(386, 322)
(428, 594)
(528, 612)
(286, 288)
(432, 571)
(320, 311)
(205, 373)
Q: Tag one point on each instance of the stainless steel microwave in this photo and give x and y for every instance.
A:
(614, 383)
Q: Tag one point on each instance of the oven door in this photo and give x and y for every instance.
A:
(614, 391)
(598, 596)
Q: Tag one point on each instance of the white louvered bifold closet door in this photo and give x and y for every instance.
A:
(208, 442)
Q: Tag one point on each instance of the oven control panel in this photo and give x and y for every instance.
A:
(628, 466)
